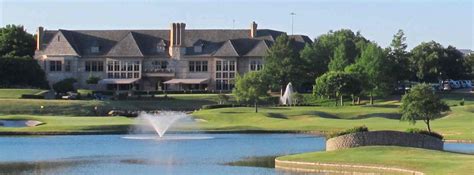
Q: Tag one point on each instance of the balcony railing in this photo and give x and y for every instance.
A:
(158, 70)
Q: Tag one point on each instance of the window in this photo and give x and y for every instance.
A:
(95, 49)
(67, 66)
(198, 49)
(256, 65)
(225, 74)
(197, 66)
(96, 66)
(123, 69)
(55, 66)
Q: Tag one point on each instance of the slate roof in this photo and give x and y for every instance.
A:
(144, 43)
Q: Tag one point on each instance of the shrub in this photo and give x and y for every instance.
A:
(461, 103)
(298, 98)
(349, 131)
(32, 96)
(93, 80)
(65, 85)
(223, 98)
(425, 132)
(216, 106)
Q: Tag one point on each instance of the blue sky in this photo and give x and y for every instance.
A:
(448, 22)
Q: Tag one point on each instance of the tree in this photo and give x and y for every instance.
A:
(374, 70)
(337, 84)
(322, 51)
(339, 60)
(452, 64)
(15, 41)
(283, 63)
(424, 60)
(21, 72)
(421, 103)
(398, 57)
(251, 88)
(65, 85)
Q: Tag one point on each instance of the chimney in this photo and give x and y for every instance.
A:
(177, 39)
(39, 38)
(253, 29)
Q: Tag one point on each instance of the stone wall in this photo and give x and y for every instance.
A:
(391, 138)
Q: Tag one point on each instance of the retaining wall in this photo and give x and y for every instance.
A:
(391, 138)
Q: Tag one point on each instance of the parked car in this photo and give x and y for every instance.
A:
(468, 83)
(70, 96)
(462, 83)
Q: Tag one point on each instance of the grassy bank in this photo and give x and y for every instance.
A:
(16, 93)
(426, 161)
(69, 125)
(457, 125)
(179, 102)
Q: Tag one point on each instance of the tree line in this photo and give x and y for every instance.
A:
(342, 64)
(17, 66)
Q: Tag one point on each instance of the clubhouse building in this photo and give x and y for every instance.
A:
(173, 59)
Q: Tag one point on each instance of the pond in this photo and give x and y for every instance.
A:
(114, 154)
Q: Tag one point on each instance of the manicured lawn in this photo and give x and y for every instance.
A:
(427, 161)
(458, 124)
(181, 102)
(16, 93)
(64, 124)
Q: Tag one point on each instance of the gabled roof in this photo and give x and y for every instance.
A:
(259, 50)
(144, 43)
(226, 50)
(60, 44)
(126, 47)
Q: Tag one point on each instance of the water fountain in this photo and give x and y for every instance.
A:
(286, 99)
(160, 123)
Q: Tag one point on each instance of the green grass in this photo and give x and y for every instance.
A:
(16, 93)
(181, 102)
(427, 161)
(458, 124)
(63, 124)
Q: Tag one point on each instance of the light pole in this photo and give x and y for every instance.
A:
(292, 21)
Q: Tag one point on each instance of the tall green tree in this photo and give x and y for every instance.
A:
(16, 42)
(322, 51)
(421, 103)
(252, 87)
(339, 60)
(337, 85)
(374, 70)
(424, 60)
(398, 56)
(283, 63)
(452, 64)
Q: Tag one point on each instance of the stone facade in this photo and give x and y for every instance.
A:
(389, 138)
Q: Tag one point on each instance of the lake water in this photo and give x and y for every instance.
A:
(113, 154)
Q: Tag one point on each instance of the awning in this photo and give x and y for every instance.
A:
(117, 81)
(186, 81)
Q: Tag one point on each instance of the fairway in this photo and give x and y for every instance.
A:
(16, 93)
(457, 125)
(426, 161)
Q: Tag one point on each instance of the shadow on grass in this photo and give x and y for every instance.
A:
(382, 105)
(381, 115)
(323, 114)
(276, 115)
(231, 112)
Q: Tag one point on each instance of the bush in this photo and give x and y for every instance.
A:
(461, 103)
(93, 80)
(216, 106)
(298, 98)
(65, 85)
(223, 98)
(425, 132)
(21, 72)
(32, 96)
(349, 131)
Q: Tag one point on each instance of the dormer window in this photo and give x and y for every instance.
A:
(95, 49)
(197, 49)
(161, 47)
(198, 46)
